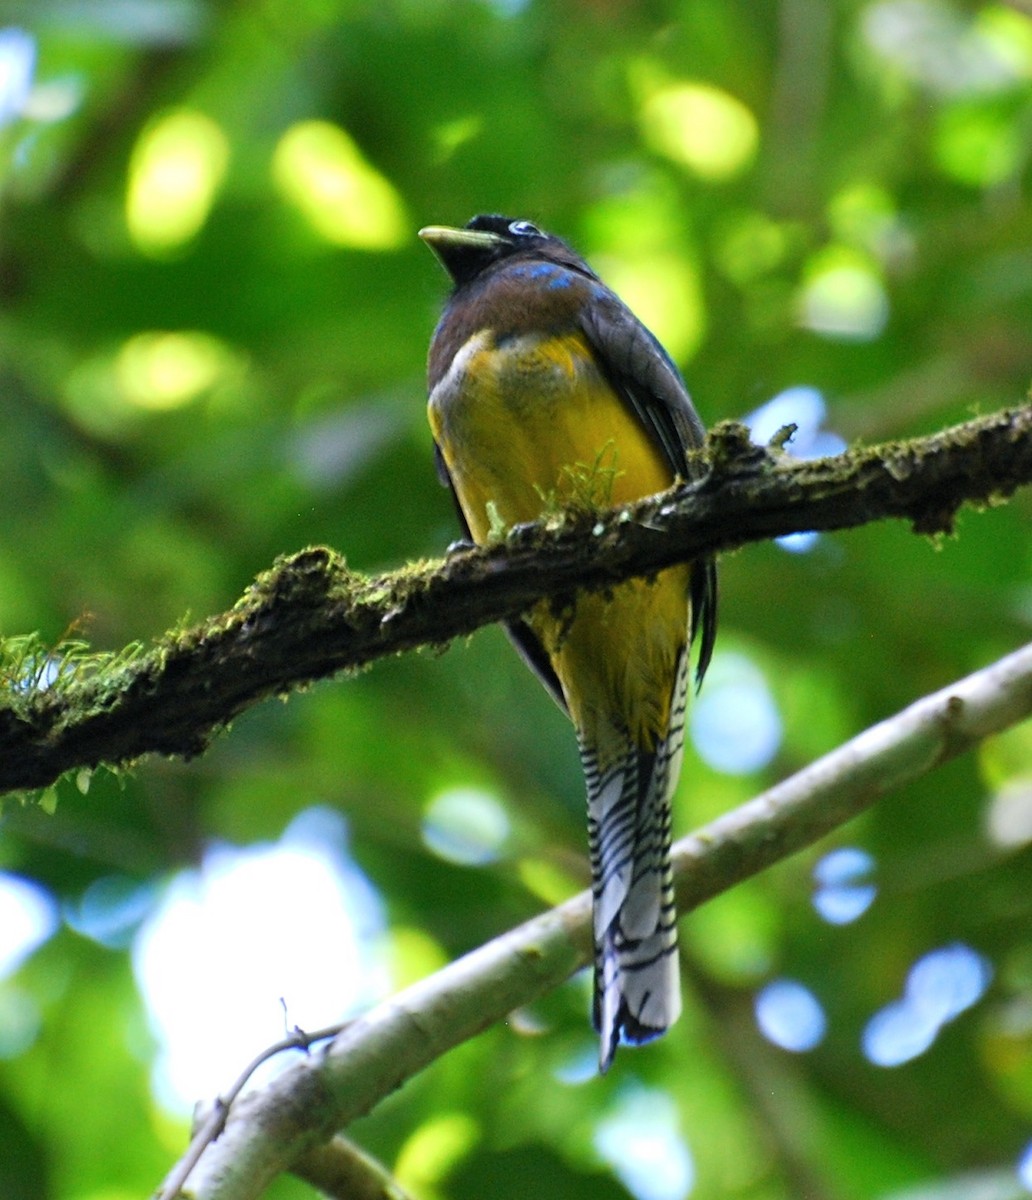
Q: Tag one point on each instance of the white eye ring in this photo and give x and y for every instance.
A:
(524, 229)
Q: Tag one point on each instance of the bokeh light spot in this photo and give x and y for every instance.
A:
(750, 244)
(175, 172)
(734, 724)
(1010, 813)
(799, 543)
(111, 909)
(55, 100)
(861, 213)
(1025, 1168)
(322, 172)
(17, 63)
(640, 1139)
(546, 880)
(20, 1021)
(979, 144)
(790, 1015)
(434, 1149)
(28, 917)
(295, 921)
(843, 296)
(946, 50)
(412, 954)
(466, 825)
(946, 982)
(451, 135)
(703, 128)
(940, 986)
(580, 1067)
(844, 891)
(896, 1034)
(164, 370)
(1007, 35)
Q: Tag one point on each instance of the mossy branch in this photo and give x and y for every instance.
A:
(309, 616)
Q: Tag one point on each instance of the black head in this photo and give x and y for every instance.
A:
(486, 240)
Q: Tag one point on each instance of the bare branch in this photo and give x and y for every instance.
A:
(269, 1131)
(309, 616)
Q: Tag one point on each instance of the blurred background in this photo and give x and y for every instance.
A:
(214, 315)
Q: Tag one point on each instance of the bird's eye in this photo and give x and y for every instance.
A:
(524, 229)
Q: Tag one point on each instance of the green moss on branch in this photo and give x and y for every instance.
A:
(309, 616)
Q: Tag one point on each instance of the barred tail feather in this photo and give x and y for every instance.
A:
(637, 985)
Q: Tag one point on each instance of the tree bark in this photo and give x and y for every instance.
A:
(309, 616)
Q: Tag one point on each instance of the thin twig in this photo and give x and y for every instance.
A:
(215, 1121)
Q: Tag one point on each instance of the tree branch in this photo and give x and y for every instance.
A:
(270, 1130)
(343, 1171)
(309, 616)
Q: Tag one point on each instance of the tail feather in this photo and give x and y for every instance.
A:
(637, 985)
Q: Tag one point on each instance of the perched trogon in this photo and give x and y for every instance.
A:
(545, 390)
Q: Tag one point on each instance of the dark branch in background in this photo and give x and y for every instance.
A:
(309, 616)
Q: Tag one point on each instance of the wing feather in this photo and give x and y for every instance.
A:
(527, 644)
(642, 372)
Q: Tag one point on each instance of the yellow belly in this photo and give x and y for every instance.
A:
(531, 425)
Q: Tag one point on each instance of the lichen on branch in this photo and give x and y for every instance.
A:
(309, 616)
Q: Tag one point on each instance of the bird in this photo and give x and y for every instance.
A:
(546, 391)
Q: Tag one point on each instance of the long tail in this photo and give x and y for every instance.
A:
(637, 985)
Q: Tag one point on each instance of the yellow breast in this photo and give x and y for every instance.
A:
(530, 424)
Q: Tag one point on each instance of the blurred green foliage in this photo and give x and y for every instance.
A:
(214, 319)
